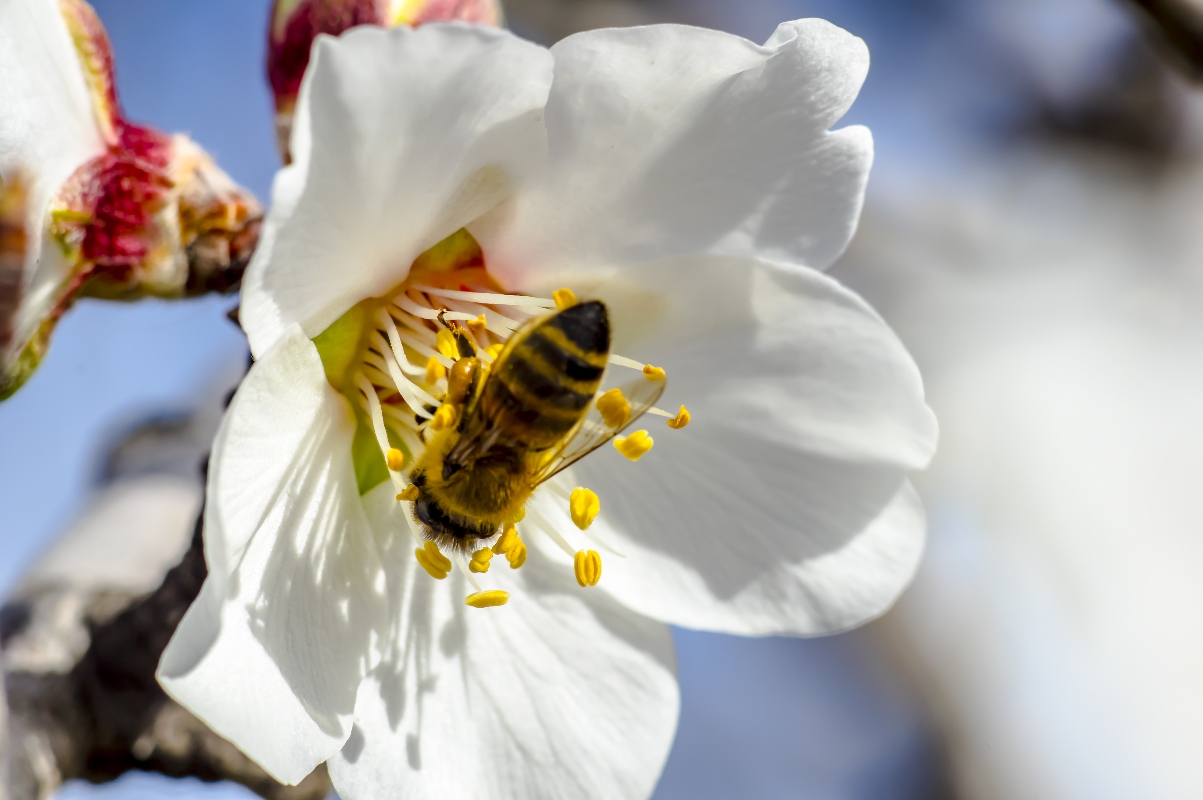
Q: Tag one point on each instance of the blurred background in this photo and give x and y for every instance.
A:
(1033, 233)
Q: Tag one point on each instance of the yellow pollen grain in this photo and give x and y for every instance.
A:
(653, 373)
(478, 326)
(584, 507)
(395, 459)
(681, 420)
(587, 566)
(614, 408)
(564, 298)
(487, 599)
(409, 494)
(434, 371)
(480, 560)
(445, 417)
(634, 446)
(445, 343)
(512, 547)
(434, 562)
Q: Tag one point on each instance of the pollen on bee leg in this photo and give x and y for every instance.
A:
(395, 459)
(614, 408)
(433, 561)
(635, 446)
(434, 371)
(480, 560)
(587, 566)
(511, 546)
(487, 599)
(446, 344)
(409, 494)
(445, 417)
(584, 506)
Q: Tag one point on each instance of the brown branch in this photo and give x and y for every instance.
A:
(106, 715)
(1178, 27)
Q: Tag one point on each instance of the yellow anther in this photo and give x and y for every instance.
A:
(478, 326)
(487, 599)
(494, 350)
(410, 493)
(445, 342)
(564, 298)
(634, 446)
(584, 506)
(681, 420)
(614, 408)
(587, 566)
(434, 562)
(445, 417)
(653, 373)
(395, 459)
(434, 371)
(480, 560)
(512, 547)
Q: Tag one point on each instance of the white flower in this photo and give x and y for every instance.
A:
(685, 177)
(110, 208)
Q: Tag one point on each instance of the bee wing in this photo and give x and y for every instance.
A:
(592, 432)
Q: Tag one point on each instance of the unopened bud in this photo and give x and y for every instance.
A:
(296, 23)
(141, 213)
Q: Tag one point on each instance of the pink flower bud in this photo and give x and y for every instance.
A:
(296, 23)
(102, 207)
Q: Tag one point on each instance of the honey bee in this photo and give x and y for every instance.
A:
(518, 423)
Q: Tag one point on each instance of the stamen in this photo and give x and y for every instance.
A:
(377, 417)
(382, 358)
(409, 495)
(635, 446)
(653, 373)
(552, 533)
(494, 350)
(394, 341)
(564, 298)
(681, 420)
(511, 546)
(480, 560)
(435, 371)
(395, 459)
(623, 361)
(433, 561)
(614, 408)
(584, 507)
(445, 341)
(587, 566)
(478, 326)
(490, 298)
(493, 597)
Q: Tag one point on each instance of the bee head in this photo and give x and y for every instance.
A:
(447, 530)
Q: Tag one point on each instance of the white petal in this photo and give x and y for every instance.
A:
(272, 652)
(402, 137)
(669, 140)
(48, 130)
(560, 693)
(808, 415)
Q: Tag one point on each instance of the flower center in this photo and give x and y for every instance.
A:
(434, 356)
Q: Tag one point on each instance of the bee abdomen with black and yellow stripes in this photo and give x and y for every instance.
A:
(544, 380)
